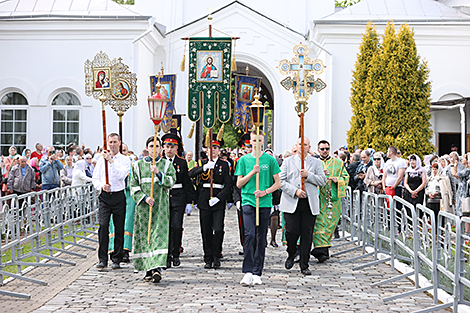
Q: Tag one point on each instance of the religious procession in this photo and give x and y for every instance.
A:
(314, 144)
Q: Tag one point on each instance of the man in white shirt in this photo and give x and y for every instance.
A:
(112, 200)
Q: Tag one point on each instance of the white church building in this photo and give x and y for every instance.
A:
(44, 44)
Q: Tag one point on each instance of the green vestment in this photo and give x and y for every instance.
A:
(327, 220)
(149, 256)
(129, 221)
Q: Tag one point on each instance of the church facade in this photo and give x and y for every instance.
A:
(45, 44)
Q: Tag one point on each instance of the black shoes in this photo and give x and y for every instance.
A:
(208, 265)
(176, 261)
(306, 271)
(116, 266)
(241, 252)
(148, 275)
(101, 264)
(216, 263)
(274, 244)
(322, 258)
(289, 263)
(125, 257)
(297, 258)
(156, 276)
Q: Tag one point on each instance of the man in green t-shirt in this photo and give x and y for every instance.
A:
(269, 182)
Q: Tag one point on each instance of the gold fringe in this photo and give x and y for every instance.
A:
(191, 131)
(183, 61)
(208, 139)
(221, 133)
(234, 63)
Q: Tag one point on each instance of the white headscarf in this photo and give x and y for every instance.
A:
(79, 167)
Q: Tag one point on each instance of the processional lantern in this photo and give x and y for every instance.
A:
(157, 104)
(257, 116)
(303, 84)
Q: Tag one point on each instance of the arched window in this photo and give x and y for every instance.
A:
(65, 120)
(14, 116)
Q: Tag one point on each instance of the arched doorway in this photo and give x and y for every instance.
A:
(266, 95)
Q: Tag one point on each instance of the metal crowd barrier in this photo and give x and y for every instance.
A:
(436, 249)
(31, 224)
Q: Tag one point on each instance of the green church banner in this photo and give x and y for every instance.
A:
(209, 79)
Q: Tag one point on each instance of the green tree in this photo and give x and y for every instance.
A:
(345, 3)
(369, 47)
(398, 96)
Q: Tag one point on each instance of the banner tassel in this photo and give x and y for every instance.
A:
(191, 131)
(234, 63)
(183, 61)
(221, 133)
(208, 139)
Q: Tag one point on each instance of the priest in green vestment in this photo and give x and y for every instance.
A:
(330, 201)
(151, 257)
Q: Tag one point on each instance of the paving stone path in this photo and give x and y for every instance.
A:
(333, 287)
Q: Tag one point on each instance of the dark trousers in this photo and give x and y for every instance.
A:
(176, 230)
(255, 239)
(241, 226)
(111, 203)
(212, 231)
(300, 223)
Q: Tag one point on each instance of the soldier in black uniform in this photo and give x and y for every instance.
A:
(181, 195)
(212, 210)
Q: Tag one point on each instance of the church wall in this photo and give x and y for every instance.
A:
(45, 58)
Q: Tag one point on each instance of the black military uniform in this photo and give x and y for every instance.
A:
(181, 194)
(212, 217)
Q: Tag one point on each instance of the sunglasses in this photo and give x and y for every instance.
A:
(376, 159)
(323, 149)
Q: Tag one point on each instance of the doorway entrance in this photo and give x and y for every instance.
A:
(446, 140)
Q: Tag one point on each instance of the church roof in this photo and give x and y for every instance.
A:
(65, 9)
(397, 10)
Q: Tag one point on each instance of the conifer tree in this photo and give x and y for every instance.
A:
(369, 47)
(398, 99)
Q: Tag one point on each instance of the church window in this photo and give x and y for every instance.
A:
(65, 120)
(13, 124)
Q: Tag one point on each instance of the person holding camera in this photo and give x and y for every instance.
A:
(374, 175)
(50, 167)
(361, 170)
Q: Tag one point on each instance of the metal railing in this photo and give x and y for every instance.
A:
(36, 225)
(436, 249)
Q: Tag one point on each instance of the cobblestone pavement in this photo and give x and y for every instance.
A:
(333, 287)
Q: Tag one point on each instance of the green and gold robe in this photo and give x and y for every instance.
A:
(327, 220)
(149, 256)
(129, 221)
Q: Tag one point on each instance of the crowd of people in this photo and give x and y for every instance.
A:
(143, 199)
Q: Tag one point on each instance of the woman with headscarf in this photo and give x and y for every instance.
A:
(415, 181)
(34, 163)
(462, 177)
(27, 153)
(7, 163)
(78, 175)
(374, 174)
(438, 191)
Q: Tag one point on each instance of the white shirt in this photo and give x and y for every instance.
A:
(118, 171)
(392, 168)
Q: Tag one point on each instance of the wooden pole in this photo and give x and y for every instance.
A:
(120, 114)
(211, 172)
(257, 174)
(105, 146)
(302, 140)
(153, 179)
